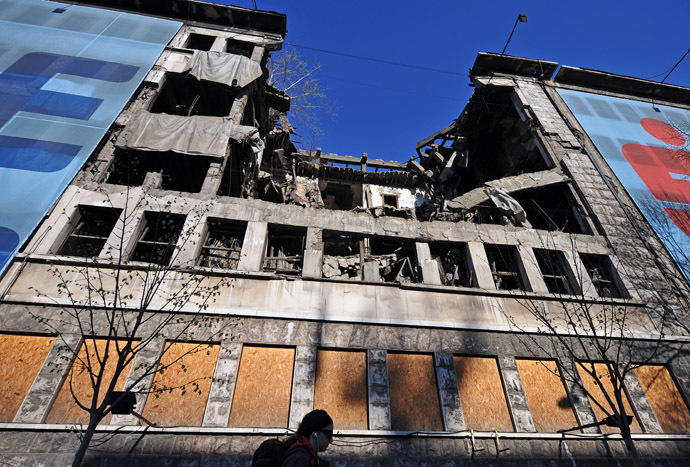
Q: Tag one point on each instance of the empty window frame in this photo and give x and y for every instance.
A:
(390, 200)
(482, 396)
(182, 384)
(546, 395)
(285, 249)
(603, 275)
(200, 41)
(158, 238)
(664, 397)
(21, 358)
(338, 196)
(263, 388)
(341, 387)
(554, 208)
(452, 263)
(179, 172)
(414, 400)
(236, 47)
(396, 258)
(92, 226)
(343, 255)
(223, 244)
(555, 272)
(186, 96)
(505, 267)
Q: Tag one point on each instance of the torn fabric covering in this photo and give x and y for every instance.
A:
(507, 204)
(188, 135)
(221, 67)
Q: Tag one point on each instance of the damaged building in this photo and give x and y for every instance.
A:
(395, 295)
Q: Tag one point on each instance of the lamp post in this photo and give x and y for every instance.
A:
(520, 19)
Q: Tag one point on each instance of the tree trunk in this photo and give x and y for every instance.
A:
(630, 444)
(85, 441)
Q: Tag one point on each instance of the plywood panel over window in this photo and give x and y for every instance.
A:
(481, 394)
(666, 401)
(341, 387)
(413, 393)
(182, 384)
(595, 393)
(546, 396)
(65, 409)
(21, 358)
(262, 392)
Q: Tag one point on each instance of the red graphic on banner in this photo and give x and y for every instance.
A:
(655, 165)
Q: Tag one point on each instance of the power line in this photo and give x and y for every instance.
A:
(377, 60)
(388, 88)
(674, 66)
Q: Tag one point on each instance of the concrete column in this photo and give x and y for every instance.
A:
(370, 271)
(532, 272)
(517, 402)
(48, 382)
(638, 399)
(621, 278)
(144, 366)
(303, 379)
(428, 266)
(213, 177)
(578, 398)
(448, 392)
(253, 247)
(579, 276)
(223, 385)
(480, 264)
(192, 238)
(313, 253)
(379, 393)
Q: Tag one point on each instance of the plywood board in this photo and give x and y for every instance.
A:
(182, 384)
(264, 383)
(666, 401)
(481, 394)
(595, 393)
(413, 392)
(546, 396)
(341, 387)
(21, 358)
(65, 409)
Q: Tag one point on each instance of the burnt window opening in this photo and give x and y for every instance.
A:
(179, 172)
(284, 249)
(236, 47)
(504, 264)
(452, 264)
(338, 196)
(343, 255)
(200, 42)
(552, 208)
(231, 181)
(223, 244)
(184, 95)
(603, 275)
(396, 258)
(554, 271)
(158, 239)
(90, 232)
(390, 200)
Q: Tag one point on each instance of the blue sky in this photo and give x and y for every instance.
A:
(384, 110)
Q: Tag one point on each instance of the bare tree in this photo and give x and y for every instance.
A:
(296, 75)
(594, 335)
(118, 309)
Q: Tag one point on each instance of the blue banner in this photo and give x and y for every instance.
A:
(66, 73)
(646, 145)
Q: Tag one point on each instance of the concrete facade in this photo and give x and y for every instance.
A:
(322, 260)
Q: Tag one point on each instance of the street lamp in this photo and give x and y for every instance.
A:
(522, 19)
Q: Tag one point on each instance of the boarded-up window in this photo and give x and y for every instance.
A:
(666, 401)
(595, 394)
(481, 394)
(413, 393)
(546, 396)
(182, 384)
(262, 392)
(21, 358)
(341, 387)
(65, 410)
